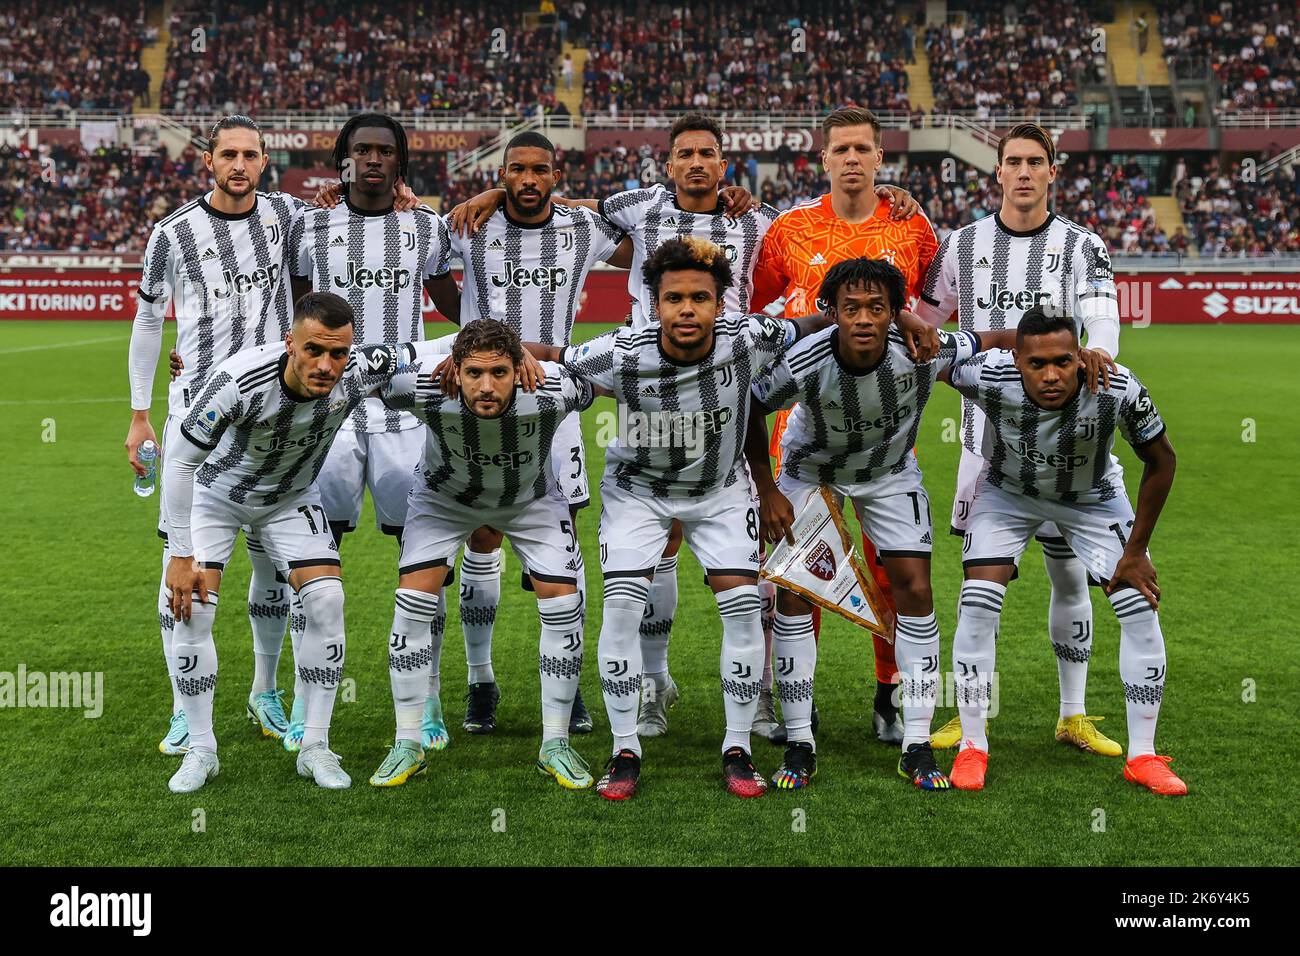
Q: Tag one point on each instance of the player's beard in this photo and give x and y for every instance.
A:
(517, 201)
(699, 187)
(237, 192)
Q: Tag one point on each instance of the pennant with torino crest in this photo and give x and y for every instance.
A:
(822, 567)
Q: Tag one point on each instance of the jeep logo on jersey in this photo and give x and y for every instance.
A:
(285, 443)
(1024, 300)
(501, 459)
(855, 425)
(515, 276)
(1035, 456)
(390, 280)
(242, 283)
(821, 561)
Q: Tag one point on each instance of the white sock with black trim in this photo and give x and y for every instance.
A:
(973, 657)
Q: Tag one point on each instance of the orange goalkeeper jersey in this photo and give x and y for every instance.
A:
(806, 240)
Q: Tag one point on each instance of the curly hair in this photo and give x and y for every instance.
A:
(864, 272)
(689, 252)
(487, 335)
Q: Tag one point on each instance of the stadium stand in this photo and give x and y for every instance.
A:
(341, 57)
(765, 55)
(1227, 220)
(105, 200)
(1249, 45)
(64, 56)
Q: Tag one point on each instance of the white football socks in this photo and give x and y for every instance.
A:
(480, 593)
(795, 650)
(973, 655)
(657, 622)
(619, 656)
(195, 656)
(742, 661)
(1141, 667)
(916, 649)
(559, 661)
(321, 655)
(1069, 622)
(268, 612)
(409, 654)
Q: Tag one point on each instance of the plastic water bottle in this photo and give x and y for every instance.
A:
(146, 484)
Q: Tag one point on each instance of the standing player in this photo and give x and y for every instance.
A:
(1048, 441)
(700, 205)
(682, 390)
(803, 244)
(220, 263)
(381, 260)
(253, 442)
(860, 399)
(990, 272)
(486, 458)
(526, 267)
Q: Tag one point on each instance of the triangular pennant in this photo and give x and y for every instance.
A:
(822, 567)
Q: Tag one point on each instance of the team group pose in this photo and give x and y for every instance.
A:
(301, 379)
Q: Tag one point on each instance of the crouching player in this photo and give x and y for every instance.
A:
(486, 463)
(857, 399)
(254, 441)
(1048, 442)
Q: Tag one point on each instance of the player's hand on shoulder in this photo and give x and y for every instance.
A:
(531, 373)
(737, 200)
(775, 515)
(1137, 571)
(445, 376)
(327, 196)
(1098, 364)
(177, 364)
(903, 205)
(467, 217)
(404, 199)
(921, 337)
(141, 431)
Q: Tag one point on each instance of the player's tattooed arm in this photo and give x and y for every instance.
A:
(921, 337)
(329, 195)
(1134, 568)
(775, 513)
(903, 205)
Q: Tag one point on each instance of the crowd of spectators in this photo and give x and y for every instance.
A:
(1249, 45)
(1004, 57)
(66, 199)
(758, 56)
(271, 55)
(1231, 216)
(64, 56)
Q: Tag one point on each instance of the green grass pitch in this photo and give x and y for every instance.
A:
(79, 567)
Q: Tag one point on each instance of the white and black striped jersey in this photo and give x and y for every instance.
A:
(681, 427)
(651, 216)
(1062, 454)
(226, 277)
(991, 276)
(378, 261)
(530, 275)
(850, 427)
(488, 462)
(265, 442)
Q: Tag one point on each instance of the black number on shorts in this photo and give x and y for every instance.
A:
(1119, 533)
(576, 458)
(751, 524)
(306, 511)
(566, 527)
(916, 506)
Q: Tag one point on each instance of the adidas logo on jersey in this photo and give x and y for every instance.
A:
(577, 493)
(650, 390)
(983, 263)
(832, 404)
(338, 241)
(817, 260)
(209, 253)
(754, 556)
(496, 245)
(925, 538)
(670, 221)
